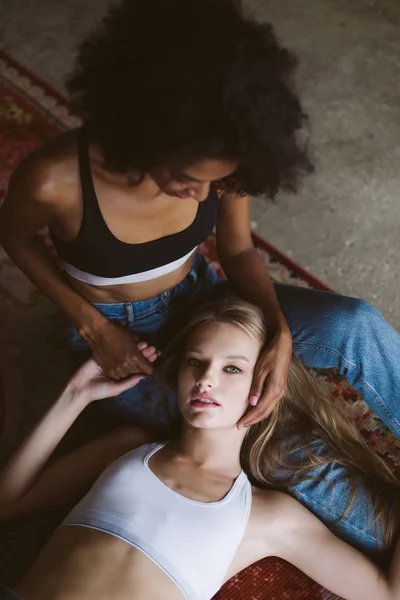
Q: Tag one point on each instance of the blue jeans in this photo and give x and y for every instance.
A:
(329, 330)
(148, 403)
(7, 594)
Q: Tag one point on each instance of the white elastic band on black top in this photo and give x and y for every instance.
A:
(135, 278)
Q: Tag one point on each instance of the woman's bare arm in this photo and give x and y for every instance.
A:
(28, 483)
(300, 538)
(37, 197)
(249, 276)
(240, 260)
(33, 201)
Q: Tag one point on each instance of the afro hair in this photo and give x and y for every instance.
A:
(185, 80)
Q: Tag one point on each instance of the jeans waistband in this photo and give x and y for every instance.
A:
(129, 310)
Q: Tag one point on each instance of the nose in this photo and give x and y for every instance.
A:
(206, 380)
(200, 192)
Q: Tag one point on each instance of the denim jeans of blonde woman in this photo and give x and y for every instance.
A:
(329, 330)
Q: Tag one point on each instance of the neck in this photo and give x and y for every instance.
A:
(212, 449)
(147, 187)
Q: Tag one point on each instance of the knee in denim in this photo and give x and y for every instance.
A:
(360, 313)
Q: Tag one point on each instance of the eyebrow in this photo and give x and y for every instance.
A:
(190, 178)
(237, 357)
(230, 357)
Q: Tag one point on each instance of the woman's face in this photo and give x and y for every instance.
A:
(192, 181)
(215, 376)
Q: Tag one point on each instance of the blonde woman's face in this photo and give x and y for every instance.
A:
(215, 376)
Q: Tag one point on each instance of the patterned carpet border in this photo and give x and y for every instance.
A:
(37, 91)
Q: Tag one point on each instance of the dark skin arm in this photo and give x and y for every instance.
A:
(40, 195)
(250, 279)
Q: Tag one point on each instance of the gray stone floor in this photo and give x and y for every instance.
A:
(343, 223)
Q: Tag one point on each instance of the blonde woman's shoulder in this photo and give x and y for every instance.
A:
(266, 526)
(274, 514)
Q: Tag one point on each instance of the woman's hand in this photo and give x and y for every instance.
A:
(116, 350)
(90, 383)
(269, 380)
(150, 352)
(27, 483)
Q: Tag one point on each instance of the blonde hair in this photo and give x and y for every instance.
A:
(305, 414)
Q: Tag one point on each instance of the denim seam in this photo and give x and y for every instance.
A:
(351, 366)
(154, 311)
(102, 304)
(324, 349)
(325, 510)
(391, 418)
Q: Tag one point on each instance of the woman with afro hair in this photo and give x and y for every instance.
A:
(190, 109)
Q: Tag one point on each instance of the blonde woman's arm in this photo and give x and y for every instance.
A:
(300, 538)
(28, 483)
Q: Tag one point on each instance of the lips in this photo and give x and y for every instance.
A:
(202, 399)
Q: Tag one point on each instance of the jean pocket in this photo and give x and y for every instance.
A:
(75, 341)
(151, 327)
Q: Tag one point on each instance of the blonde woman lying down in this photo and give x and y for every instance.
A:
(176, 519)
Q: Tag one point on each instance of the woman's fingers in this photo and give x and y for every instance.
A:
(264, 407)
(268, 388)
(117, 387)
(150, 352)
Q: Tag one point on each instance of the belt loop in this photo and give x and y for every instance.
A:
(130, 313)
(192, 275)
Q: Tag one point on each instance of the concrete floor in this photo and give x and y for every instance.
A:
(343, 223)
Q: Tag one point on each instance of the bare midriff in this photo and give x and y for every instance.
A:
(79, 563)
(130, 292)
(129, 215)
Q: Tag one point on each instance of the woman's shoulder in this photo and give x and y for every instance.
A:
(273, 506)
(265, 499)
(124, 439)
(49, 172)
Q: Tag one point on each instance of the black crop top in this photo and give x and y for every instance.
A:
(97, 252)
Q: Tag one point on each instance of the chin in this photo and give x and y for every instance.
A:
(205, 421)
(199, 420)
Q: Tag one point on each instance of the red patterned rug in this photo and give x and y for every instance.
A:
(34, 361)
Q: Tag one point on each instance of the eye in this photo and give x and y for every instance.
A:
(233, 369)
(179, 177)
(194, 362)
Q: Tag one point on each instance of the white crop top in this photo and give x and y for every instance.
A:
(129, 501)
